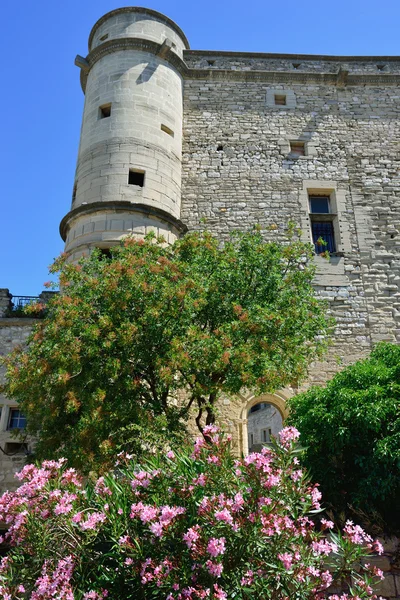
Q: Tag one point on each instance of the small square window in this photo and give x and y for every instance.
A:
(280, 99)
(298, 148)
(136, 178)
(16, 420)
(319, 204)
(105, 111)
(13, 448)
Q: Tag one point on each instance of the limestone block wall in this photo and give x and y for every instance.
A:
(129, 159)
(238, 171)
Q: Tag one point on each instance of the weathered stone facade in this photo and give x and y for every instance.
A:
(214, 136)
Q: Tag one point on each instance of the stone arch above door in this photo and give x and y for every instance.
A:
(277, 400)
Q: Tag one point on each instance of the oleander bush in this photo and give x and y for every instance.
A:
(351, 431)
(186, 525)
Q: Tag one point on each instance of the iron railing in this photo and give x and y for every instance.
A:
(22, 301)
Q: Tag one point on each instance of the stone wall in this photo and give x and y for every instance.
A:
(238, 171)
(13, 332)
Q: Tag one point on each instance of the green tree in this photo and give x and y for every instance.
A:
(351, 430)
(139, 340)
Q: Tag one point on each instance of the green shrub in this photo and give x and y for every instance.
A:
(351, 431)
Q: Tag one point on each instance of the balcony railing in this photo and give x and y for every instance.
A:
(22, 301)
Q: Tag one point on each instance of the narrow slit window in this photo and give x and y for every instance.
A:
(105, 111)
(266, 435)
(280, 100)
(104, 37)
(136, 178)
(298, 148)
(166, 129)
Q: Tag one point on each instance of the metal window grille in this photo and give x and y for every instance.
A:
(17, 419)
(323, 230)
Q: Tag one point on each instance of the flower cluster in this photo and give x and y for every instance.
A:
(189, 525)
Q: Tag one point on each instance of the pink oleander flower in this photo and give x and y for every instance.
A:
(356, 534)
(288, 435)
(287, 559)
(327, 579)
(248, 578)
(323, 547)
(224, 515)
(219, 593)
(93, 521)
(200, 480)
(191, 536)
(101, 488)
(215, 569)
(216, 546)
(327, 524)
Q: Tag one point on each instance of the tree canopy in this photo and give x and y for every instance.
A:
(138, 340)
(351, 430)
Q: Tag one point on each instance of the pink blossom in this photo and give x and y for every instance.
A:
(170, 455)
(224, 515)
(191, 536)
(215, 569)
(287, 559)
(327, 524)
(101, 488)
(323, 547)
(93, 520)
(219, 593)
(288, 435)
(216, 546)
(356, 534)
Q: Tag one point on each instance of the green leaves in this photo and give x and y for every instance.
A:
(352, 432)
(155, 331)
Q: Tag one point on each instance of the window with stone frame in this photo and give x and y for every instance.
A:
(322, 223)
(17, 419)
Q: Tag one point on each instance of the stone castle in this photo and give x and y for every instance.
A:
(173, 137)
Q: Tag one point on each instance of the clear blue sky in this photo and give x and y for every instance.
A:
(42, 101)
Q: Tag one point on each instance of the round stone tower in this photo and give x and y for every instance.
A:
(128, 175)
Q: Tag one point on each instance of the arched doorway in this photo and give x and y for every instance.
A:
(262, 418)
(264, 421)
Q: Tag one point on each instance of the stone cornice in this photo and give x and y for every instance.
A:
(119, 206)
(287, 77)
(224, 53)
(137, 9)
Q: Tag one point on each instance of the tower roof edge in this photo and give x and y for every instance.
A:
(138, 9)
